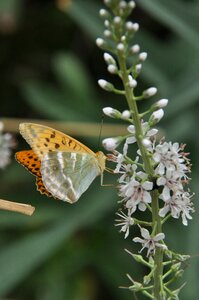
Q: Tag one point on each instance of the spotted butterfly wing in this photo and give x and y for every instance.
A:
(68, 167)
(32, 163)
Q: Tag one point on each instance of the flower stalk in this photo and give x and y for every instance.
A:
(155, 181)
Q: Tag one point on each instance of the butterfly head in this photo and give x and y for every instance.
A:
(101, 157)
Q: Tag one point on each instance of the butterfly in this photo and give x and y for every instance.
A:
(64, 167)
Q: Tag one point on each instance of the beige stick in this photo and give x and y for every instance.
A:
(17, 207)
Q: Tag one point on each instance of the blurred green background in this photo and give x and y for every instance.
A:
(49, 66)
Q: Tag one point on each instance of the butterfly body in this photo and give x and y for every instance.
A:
(66, 166)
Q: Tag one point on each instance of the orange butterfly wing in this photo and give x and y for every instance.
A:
(43, 140)
(31, 162)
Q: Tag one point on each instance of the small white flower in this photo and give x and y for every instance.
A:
(132, 82)
(156, 116)
(120, 47)
(136, 27)
(171, 184)
(107, 23)
(105, 85)
(135, 49)
(107, 34)
(125, 222)
(136, 194)
(6, 144)
(126, 114)
(100, 42)
(150, 92)
(162, 103)
(103, 13)
(146, 142)
(109, 59)
(178, 205)
(117, 20)
(138, 68)
(130, 26)
(150, 242)
(123, 4)
(111, 112)
(142, 56)
(112, 69)
(168, 157)
(111, 144)
(131, 4)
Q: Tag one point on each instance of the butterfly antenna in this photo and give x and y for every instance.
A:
(100, 132)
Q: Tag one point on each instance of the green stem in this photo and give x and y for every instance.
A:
(156, 220)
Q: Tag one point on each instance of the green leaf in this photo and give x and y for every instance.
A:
(77, 84)
(19, 258)
(85, 14)
(175, 15)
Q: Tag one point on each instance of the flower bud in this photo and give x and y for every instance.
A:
(100, 42)
(111, 112)
(107, 33)
(149, 92)
(142, 56)
(136, 27)
(162, 103)
(104, 13)
(138, 68)
(131, 4)
(106, 23)
(112, 69)
(130, 26)
(156, 116)
(122, 4)
(105, 85)
(126, 114)
(111, 144)
(120, 47)
(132, 82)
(135, 49)
(109, 59)
(146, 142)
(117, 20)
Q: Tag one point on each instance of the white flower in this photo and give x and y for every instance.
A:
(107, 34)
(162, 103)
(131, 4)
(142, 56)
(135, 48)
(126, 114)
(156, 116)
(178, 205)
(109, 59)
(6, 143)
(138, 68)
(112, 69)
(171, 184)
(150, 242)
(150, 92)
(132, 82)
(120, 47)
(99, 42)
(117, 20)
(105, 85)
(169, 157)
(148, 133)
(125, 222)
(136, 194)
(111, 144)
(111, 112)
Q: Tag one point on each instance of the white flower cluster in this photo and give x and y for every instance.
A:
(6, 143)
(171, 166)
